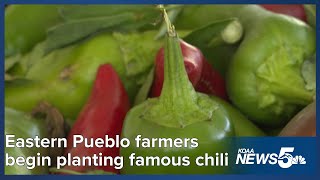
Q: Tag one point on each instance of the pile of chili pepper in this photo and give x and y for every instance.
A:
(209, 72)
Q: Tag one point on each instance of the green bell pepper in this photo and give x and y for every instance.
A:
(26, 25)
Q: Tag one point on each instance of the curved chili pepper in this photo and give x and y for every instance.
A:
(102, 115)
(201, 74)
(193, 60)
(211, 82)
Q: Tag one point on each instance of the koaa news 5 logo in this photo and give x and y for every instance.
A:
(284, 159)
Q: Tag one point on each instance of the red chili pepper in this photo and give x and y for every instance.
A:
(103, 114)
(294, 10)
(201, 74)
(211, 82)
(193, 60)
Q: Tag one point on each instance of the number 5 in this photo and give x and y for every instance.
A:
(285, 154)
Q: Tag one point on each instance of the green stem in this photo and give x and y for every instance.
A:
(292, 94)
(231, 34)
(178, 104)
(172, 14)
(177, 89)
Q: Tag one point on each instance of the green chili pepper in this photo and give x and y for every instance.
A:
(219, 56)
(26, 25)
(65, 76)
(179, 112)
(264, 78)
(45, 121)
(22, 94)
(22, 126)
(242, 126)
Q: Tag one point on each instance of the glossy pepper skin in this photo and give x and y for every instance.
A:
(45, 121)
(203, 77)
(295, 10)
(103, 114)
(26, 25)
(23, 126)
(72, 71)
(264, 79)
(193, 61)
(267, 84)
(242, 126)
(179, 112)
(211, 82)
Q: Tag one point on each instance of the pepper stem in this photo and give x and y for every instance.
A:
(177, 89)
(170, 26)
(178, 105)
